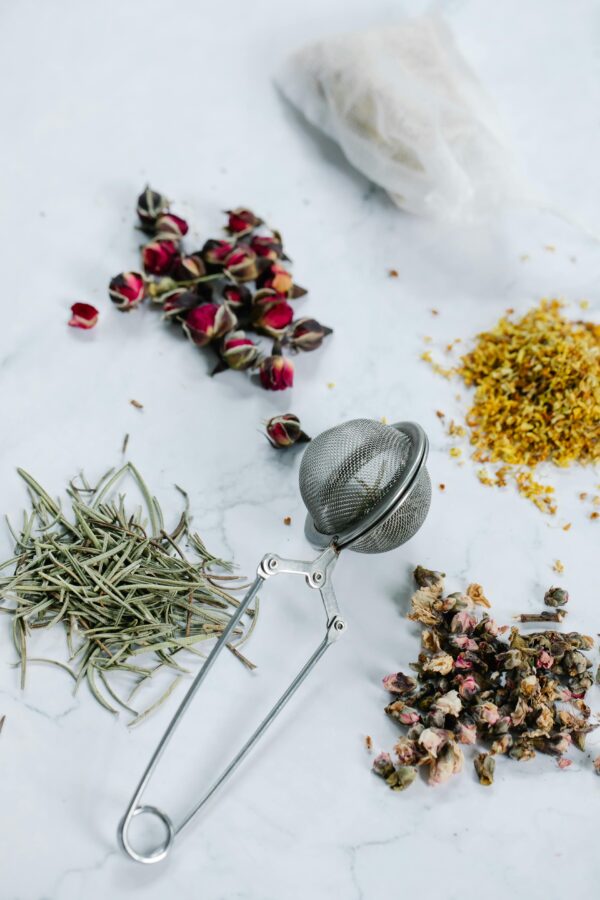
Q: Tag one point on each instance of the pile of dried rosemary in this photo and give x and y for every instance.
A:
(515, 697)
(124, 591)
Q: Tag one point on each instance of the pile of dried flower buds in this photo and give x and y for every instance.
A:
(514, 696)
(223, 291)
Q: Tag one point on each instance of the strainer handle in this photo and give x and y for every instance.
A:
(318, 576)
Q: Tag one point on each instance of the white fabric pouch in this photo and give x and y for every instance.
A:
(409, 114)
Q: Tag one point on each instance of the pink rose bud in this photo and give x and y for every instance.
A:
(239, 352)
(276, 373)
(285, 431)
(277, 279)
(127, 290)
(307, 334)
(207, 322)
(187, 268)
(150, 205)
(241, 264)
(545, 660)
(241, 220)
(461, 662)
(83, 315)
(159, 256)
(273, 318)
(267, 247)
(214, 253)
(237, 296)
(170, 227)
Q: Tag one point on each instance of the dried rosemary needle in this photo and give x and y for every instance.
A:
(128, 597)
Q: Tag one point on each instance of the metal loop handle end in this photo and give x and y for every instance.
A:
(162, 851)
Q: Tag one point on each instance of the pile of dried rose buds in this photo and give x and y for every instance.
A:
(222, 292)
(514, 696)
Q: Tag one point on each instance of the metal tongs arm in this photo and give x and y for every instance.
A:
(318, 577)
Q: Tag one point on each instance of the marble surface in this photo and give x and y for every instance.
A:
(97, 99)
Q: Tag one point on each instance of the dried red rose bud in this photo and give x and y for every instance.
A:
(267, 247)
(207, 322)
(239, 352)
(150, 205)
(273, 318)
(277, 279)
(179, 301)
(83, 315)
(241, 220)
(307, 334)
(159, 256)
(214, 253)
(127, 290)
(187, 268)
(276, 373)
(241, 264)
(285, 431)
(171, 227)
(237, 296)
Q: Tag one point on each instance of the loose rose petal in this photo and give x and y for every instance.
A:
(83, 315)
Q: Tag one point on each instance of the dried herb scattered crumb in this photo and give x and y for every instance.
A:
(393, 273)
(516, 695)
(128, 597)
(137, 404)
(369, 742)
(2, 721)
(287, 520)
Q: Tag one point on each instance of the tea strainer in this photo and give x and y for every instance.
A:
(366, 488)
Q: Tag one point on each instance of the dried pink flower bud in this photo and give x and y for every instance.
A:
(307, 334)
(462, 662)
(491, 627)
(276, 373)
(463, 622)
(241, 221)
(239, 352)
(383, 765)
(241, 264)
(207, 322)
(449, 762)
(159, 256)
(214, 253)
(267, 247)
(187, 268)
(406, 751)
(442, 663)
(83, 315)
(273, 318)
(433, 739)
(468, 687)
(170, 227)
(408, 716)
(285, 431)
(127, 290)
(277, 279)
(564, 763)
(449, 703)
(488, 712)
(238, 297)
(544, 660)
(398, 683)
(463, 642)
(467, 733)
(150, 205)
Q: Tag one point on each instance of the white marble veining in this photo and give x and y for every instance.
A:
(98, 98)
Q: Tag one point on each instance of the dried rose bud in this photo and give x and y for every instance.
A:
(241, 221)
(127, 290)
(214, 253)
(277, 279)
(449, 762)
(150, 205)
(463, 623)
(159, 256)
(429, 578)
(468, 687)
(207, 322)
(406, 751)
(188, 268)
(285, 431)
(399, 683)
(488, 712)
(179, 301)
(241, 264)
(238, 297)
(467, 733)
(544, 660)
(273, 318)
(408, 716)
(383, 765)
(276, 373)
(556, 596)
(267, 247)
(238, 351)
(307, 334)
(402, 778)
(449, 704)
(83, 315)
(170, 227)
(484, 766)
